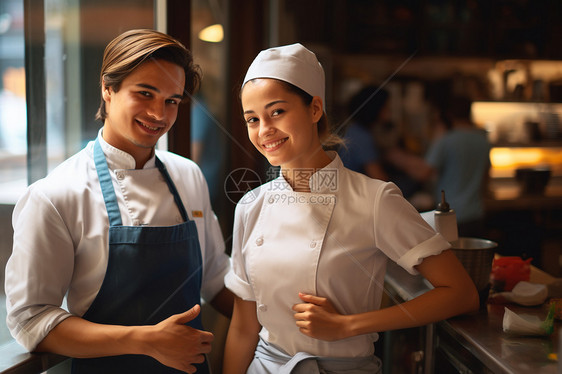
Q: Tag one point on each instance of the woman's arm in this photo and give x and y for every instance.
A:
(413, 165)
(454, 293)
(171, 342)
(242, 337)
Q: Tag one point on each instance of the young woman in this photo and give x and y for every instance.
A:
(310, 248)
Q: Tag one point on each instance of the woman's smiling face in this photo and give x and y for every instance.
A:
(280, 125)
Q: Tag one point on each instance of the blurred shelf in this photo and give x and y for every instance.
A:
(505, 194)
(499, 29)
(539, 144)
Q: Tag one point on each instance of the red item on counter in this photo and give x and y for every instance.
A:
(508, 271)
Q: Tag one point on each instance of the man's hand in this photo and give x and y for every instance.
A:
(318, 318)
(179, 346)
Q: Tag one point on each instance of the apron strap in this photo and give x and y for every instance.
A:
(107, 186)
(172, 188)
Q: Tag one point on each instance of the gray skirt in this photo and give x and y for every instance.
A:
(269, 359)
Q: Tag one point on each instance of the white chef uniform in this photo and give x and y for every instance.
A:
(333, 242)
(61, 234)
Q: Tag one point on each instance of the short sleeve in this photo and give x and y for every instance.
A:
(400, 231)
(432, 246)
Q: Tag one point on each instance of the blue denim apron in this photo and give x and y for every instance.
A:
(152, 273)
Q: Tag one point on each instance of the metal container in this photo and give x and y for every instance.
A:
(477, 256)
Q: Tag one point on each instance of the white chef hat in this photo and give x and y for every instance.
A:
(293, 64)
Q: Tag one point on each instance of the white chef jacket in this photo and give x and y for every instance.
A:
(333, 242)
(61, 234)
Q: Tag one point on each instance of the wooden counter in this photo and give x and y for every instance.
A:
(476, 342)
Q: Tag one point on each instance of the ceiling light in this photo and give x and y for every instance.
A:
(212, 34)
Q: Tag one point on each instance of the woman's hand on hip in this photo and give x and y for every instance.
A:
(316, 317)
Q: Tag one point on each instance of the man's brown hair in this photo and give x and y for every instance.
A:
(132, 48)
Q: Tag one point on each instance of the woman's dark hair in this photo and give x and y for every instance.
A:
(366, 105)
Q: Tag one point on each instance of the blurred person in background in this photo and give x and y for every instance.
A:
(457, 162)
(366, 109)
(207, 145)
(370, 135)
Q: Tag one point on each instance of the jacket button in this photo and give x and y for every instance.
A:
(259, 241)
(262, 308)
(120, 176)
(271, 200)
(313, 244)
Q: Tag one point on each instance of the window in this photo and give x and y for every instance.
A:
(13, 144)
(67, 65)
(209, 129)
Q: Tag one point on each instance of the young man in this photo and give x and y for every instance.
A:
(125, 232)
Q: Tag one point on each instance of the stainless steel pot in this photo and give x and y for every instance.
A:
(477, 256)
